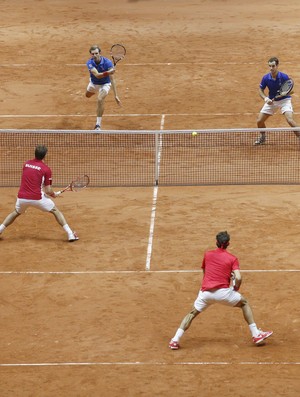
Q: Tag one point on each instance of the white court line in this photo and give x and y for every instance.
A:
(143, 363)
(38, 65)
(87, 272)
(154, 200)
(27, 116)
(7, 116)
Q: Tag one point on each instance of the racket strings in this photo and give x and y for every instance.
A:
(118, 52)
(80, 182)
(286, 87)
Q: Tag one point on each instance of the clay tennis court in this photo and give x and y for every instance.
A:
(94, 318)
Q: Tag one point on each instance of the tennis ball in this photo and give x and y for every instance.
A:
(194, 133)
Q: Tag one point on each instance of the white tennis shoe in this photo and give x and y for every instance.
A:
(73, 237)
(260, 141)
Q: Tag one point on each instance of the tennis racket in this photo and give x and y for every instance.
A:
(117, 52)
(285, 89)
(76, 185)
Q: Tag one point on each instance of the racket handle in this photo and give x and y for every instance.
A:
(63, 190)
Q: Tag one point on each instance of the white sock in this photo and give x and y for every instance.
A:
(2, 227)
(253, 329)
(99, 121)
(178, 335)
(67, 228)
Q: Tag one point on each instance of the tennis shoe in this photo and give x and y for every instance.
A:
(260, 141)
(97, 127)
(173, 345)
(260, 338)
(73, 237)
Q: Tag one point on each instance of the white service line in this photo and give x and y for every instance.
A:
(154, 201)
(88, 272)
(152, 363)
(227, 114)
(175, 63)
(19, 116)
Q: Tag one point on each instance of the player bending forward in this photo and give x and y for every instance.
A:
(217, 267)
(36, 181)
(273, 82)
(101, 72)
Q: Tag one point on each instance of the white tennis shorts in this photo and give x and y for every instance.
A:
(225, 296)
(285, 105)
(97, 87)
(45, 204)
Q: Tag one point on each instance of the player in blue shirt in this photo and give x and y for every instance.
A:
(101, 80)
(273, 82)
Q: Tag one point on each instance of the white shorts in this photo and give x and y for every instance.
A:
(225, 296)
(45, 204)
(97, 87)
(285, 105)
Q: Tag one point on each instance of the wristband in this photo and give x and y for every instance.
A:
(105, 74)
(267, 99)
(55, 194)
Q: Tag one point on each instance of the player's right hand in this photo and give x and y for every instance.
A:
(268, 100)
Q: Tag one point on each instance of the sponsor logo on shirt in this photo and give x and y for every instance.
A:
(35, 167)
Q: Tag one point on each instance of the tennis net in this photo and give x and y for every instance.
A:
(147, 158)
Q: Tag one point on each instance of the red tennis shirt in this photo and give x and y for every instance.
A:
(35, 175)
(218, 265)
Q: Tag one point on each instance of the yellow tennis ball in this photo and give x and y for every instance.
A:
(194, 133)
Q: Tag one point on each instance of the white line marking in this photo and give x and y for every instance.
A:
(28, 116)
(140, 271)
(122, 115)
(37, 65)
(162, 122)
(154, 200)
(158, 363)
(151, 232)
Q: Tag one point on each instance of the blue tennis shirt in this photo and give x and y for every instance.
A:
(104, 65)
(274, 85)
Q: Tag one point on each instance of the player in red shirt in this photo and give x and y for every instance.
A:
(219, 266)
(34, 191)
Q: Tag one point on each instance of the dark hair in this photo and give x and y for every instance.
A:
(274, 59)
(40, 152)
(95, 47)
(223, 239)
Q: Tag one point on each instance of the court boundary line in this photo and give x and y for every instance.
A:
(7, 272)
(144, 363)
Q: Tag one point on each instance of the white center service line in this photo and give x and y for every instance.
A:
(155, 194)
